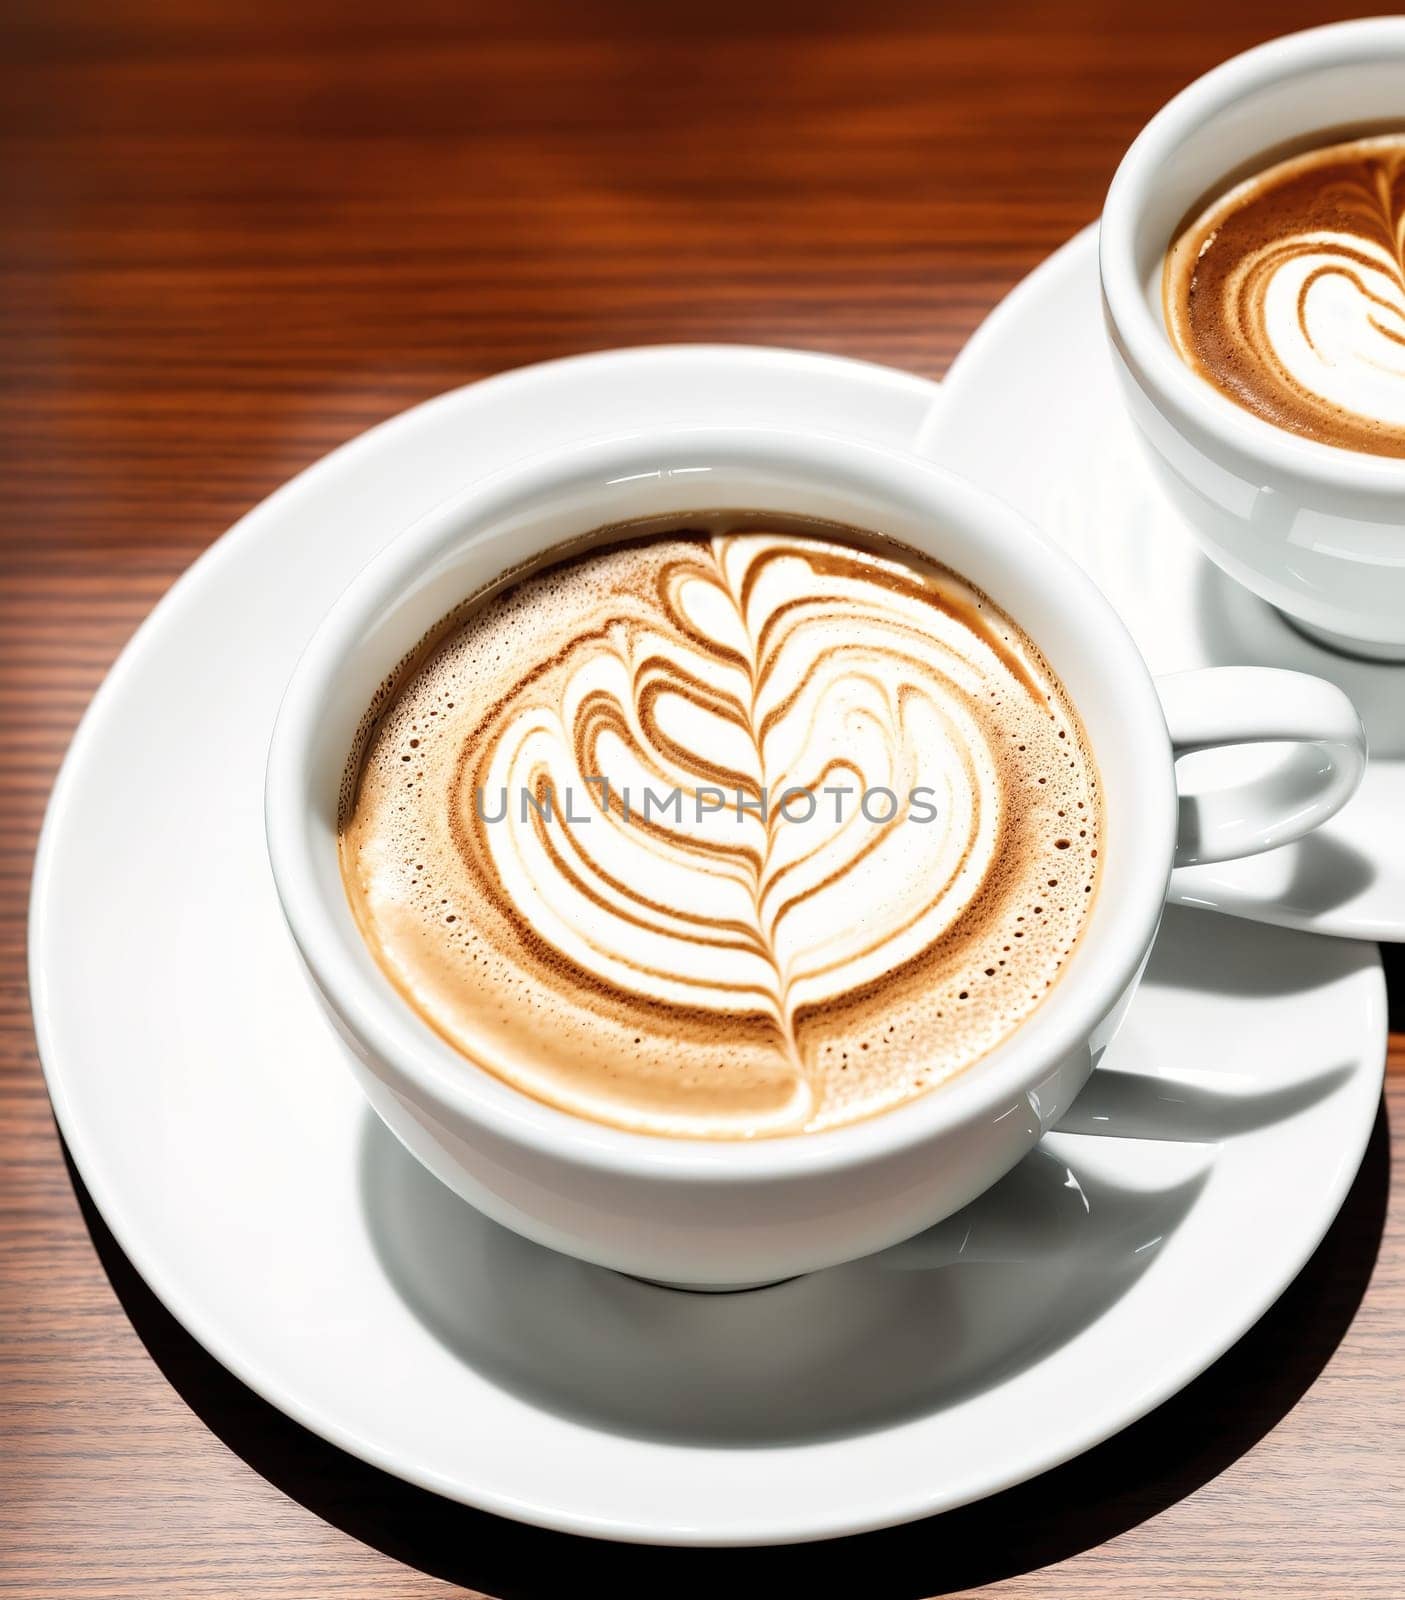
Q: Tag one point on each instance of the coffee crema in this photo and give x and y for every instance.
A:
(1288, 294)
(533, 843)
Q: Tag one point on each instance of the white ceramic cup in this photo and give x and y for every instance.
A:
(715, 1214)
(1316, 530)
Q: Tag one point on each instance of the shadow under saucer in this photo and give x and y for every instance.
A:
(979, 1302)
(1150, 1465)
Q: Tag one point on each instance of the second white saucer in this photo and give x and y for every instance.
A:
(1031, 410)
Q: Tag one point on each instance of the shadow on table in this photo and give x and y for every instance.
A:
(1393, 961)
(1149, 1466)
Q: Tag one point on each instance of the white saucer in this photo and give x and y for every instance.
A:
(1030, 409)
(217, 1128)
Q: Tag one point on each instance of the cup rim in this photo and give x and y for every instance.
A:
(1140, 329)
(423, 1066)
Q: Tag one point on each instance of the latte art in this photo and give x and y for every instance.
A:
(1289, 294)
(617, 838)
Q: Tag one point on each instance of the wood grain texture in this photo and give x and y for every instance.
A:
(233, 236)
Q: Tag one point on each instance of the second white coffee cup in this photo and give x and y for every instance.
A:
(1316, 530)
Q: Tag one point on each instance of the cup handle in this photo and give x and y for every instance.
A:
(1217, 706)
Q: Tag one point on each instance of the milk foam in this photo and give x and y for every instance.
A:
(1289, 294)
(713, 972)
(1337, 333)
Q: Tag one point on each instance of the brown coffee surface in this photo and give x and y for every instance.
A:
(635, 952)
(1288, 294)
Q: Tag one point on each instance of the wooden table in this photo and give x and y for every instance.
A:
(232, 240)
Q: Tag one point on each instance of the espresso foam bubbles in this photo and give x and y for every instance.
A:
(537, 854)
(1288, 293)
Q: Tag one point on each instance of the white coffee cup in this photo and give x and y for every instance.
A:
(1316, 530)
(729, 1213)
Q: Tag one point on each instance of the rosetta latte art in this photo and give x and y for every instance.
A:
(618, 840)
(1289, 294)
